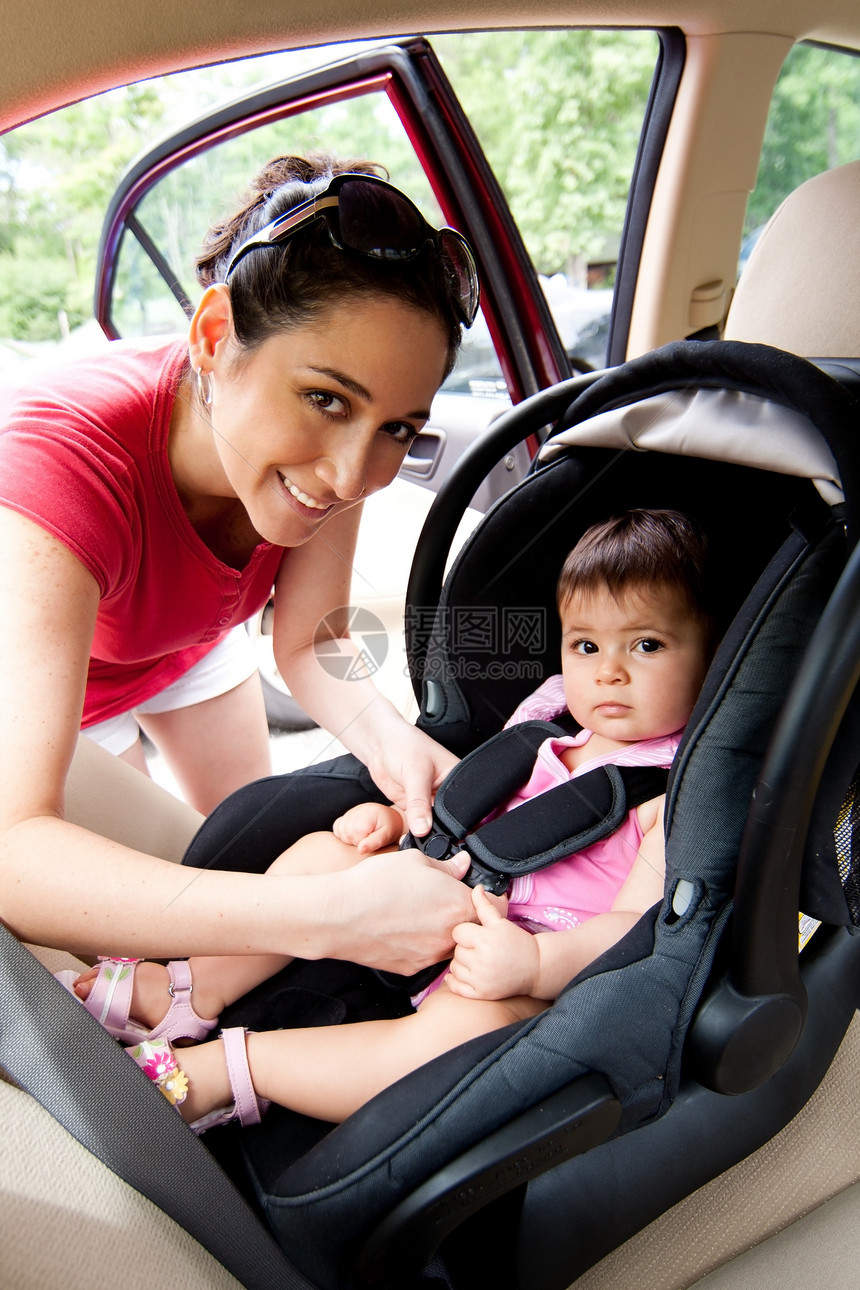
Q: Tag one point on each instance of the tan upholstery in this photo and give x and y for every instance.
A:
(800, 290)
(110, 798)
(815, 1158)
(66, 1220)
(68, 1223)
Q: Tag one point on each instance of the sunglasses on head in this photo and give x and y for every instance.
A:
(370, 217)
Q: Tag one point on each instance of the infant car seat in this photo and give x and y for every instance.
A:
(521, 1158)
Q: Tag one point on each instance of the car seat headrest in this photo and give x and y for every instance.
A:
(800, 288)
(716, 425)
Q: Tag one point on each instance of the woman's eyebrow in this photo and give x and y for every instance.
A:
(359, 390)
(347, 382)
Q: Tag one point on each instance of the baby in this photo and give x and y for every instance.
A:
(637, 639)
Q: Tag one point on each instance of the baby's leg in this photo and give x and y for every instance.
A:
(329, 1071)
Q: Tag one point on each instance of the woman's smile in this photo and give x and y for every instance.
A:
(310, 503)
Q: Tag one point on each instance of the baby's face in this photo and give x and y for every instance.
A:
(632, 667)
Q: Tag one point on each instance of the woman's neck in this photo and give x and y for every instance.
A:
(214, 512)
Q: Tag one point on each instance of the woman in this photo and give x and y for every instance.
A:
(153, 495)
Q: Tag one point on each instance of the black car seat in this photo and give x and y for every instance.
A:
(734, 434)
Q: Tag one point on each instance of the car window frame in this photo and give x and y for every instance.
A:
(530, 351)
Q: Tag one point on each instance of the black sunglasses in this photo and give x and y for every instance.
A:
(373, 218)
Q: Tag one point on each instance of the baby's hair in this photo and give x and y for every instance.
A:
(288, 287)
(640, 548)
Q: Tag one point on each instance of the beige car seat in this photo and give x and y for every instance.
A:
(65, 1219)
(801, 286)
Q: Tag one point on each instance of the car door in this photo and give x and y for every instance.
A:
(396, 100)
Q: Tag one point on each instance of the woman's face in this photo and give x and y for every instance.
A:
(320, 417)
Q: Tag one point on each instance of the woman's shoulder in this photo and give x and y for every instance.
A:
(113, 380)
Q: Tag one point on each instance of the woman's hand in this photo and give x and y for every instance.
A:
(494, 959)
(396, 911)
(409, 766)
(369, 827)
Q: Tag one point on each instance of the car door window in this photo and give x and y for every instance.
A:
(579, 99)
(192, 196)
(559, 116)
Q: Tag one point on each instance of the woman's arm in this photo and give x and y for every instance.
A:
(313, 587)
(61, 885)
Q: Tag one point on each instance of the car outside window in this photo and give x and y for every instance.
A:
(813, 125)
(563, 150)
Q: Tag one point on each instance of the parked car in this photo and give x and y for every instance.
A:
(66, 1219)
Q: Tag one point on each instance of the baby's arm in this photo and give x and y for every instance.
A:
(370, 826)
(496, 959)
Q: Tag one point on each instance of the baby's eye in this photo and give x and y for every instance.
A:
(583, 647)
(649, 646)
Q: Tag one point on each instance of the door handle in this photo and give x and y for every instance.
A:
(425, 453)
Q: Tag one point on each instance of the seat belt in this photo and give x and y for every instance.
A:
(53, 1049)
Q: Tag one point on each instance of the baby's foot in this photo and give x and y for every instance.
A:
(152, 998)
(213, 1084)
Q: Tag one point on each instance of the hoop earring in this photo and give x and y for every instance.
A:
(204, 387)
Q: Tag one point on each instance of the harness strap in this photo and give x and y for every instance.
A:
(539, 832)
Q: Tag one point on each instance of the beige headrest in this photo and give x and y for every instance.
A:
(800, 290)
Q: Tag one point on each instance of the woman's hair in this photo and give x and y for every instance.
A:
(640, 548)
(273, 290)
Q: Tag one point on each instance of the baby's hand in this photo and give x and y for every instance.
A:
(493, 959)
(369, 827)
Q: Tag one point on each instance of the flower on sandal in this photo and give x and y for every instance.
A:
(175, 1087)
(158, 1062)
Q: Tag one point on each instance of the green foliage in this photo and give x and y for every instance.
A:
(558, 114)
(34, 294)
(813, 125)
(56, 178)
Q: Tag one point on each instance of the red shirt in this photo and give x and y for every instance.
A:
(84, 455)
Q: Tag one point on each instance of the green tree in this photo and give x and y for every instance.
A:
(57, 175)
(813, 125)
(559, 115)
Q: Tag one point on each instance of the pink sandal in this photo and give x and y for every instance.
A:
(158, 1061)
(109, 1001)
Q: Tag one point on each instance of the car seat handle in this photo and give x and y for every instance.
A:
(453, 499)
(580, 1116)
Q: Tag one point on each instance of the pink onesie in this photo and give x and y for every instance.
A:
(577, 887)
(582, 885)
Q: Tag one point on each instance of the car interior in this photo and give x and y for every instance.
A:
(782, 1210)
